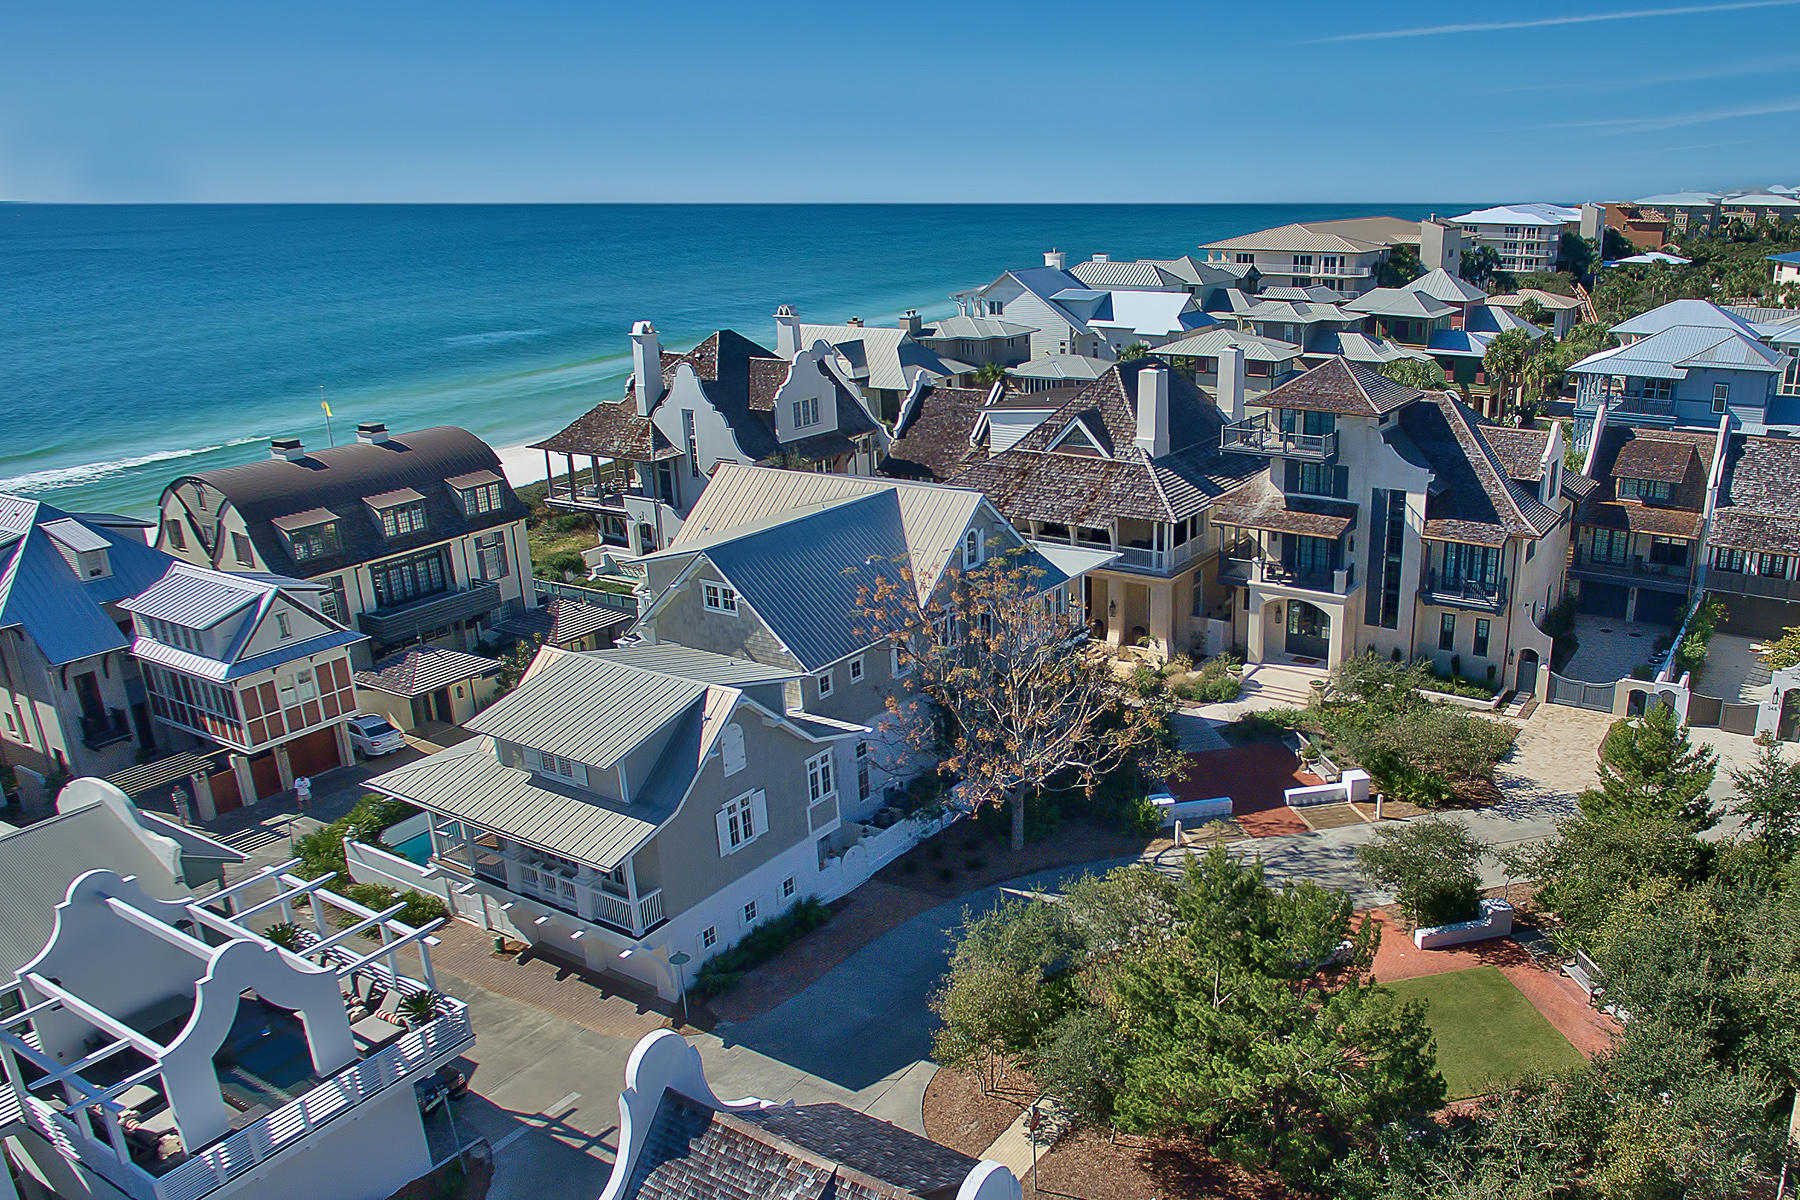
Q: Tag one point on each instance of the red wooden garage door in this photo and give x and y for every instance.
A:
(265, 774)
(225, 792)
(315, 753)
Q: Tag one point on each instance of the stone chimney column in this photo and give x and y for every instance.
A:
(787, 333)
(1153, 410)
(646, 366)
(1229, 394)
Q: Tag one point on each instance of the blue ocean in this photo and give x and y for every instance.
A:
(138, 343)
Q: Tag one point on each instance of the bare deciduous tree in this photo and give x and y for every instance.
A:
(1004, 687)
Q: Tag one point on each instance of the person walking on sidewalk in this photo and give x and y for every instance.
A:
(302, 793)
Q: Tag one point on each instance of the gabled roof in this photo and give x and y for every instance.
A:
(880, 357)
(1354, 235)
(1141, 273)
(1441, 285)
(1032, 481)
(199, 598)
(1472, 497)
(974, 328)
(1678, 457)
(1209, 342)
(1296, 312)
(1759, 502)
(1339, 386)
(1521, 214)
(1061, 366)
(1672, 352)
(1520, 452)
(1317, 293)
(344, 478)
(562, 621)
(1148, 313)
(935, 435)
(1396, 302)
(61, 613)
(1360, 347)
(586, 708)
(1549, 300)
(1699, 314)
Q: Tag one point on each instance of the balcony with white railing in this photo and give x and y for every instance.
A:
(573, 888)
(1260, 435)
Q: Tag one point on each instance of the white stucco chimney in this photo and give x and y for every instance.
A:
(1153, 410)
(1102, 258)
(787, 333)
(1229, 394)
(646, 366)
(288, 449)
(1055, 258)
(1440, 245)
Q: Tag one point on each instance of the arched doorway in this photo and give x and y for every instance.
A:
(1528, 671)
(1308, 630)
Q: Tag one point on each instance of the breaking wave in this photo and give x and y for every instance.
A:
(61, 477)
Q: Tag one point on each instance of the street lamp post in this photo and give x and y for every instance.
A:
(678, 960)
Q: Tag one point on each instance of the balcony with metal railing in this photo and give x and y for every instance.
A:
(1481, 595)
(1633, 569)
(1740, 583)
(1260, 435)
(1338, 581)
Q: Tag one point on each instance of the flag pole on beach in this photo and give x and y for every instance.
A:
(329, 440)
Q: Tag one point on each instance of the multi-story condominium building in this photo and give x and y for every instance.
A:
(1392, 521)
(677, 1138)
(1341, 255)
(1688, 363)
(165, 1049)
(728, 400)
(1527, 237)
(414, 537)
(1645, 228)
(1129, 464)
(1759, 208)
(250, 666)
(623, 805)
(72, 699)
(1069, 317)
(1637, 531)
(1686, 212)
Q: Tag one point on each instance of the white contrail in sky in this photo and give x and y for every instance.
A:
(1677, 120)
(1685, 10)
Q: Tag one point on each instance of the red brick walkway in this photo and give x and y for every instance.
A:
(1553, 994)
(1255, 778)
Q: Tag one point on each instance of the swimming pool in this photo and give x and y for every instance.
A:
(416, 848)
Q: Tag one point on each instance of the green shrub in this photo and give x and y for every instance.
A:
(570, 523)
(762, 943)
(322, 850)
(1214, 683)
(1142, 816)
(560, 564)
(420, 908)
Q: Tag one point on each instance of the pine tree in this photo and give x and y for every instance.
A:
(1649, 768)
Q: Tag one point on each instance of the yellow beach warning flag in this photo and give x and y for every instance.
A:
(326, 407)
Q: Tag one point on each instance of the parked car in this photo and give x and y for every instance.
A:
(373, 736)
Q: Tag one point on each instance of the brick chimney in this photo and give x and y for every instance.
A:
(646, 366)
(1153, 409)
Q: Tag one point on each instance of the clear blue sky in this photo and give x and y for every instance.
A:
(609, 101)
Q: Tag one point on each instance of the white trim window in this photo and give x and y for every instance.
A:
(731, 748)
(709, 937)
(856, 669)
(900, 663)
(973, 549)
(788, 887)
(821, 778)
(743, 819)
(719, 598)
(825, 681)
(555, 764)
(750, 912)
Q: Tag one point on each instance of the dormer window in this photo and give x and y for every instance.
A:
(316, 541)
(1654, 491)
(93, 564)
(806, 412)
(403, 519)
(478, 492)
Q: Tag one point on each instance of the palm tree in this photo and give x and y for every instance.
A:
(1504, 362)
(990, 374)
(1135, 350)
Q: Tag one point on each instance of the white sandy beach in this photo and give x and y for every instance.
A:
(521, 464)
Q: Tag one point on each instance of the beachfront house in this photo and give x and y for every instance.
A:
(165, 1048)
(638, 464)
(72, 699)
(885, 363)
(247, 672)
(1391, 521)
(1070, 318)
(1341, 255)
(415, 538)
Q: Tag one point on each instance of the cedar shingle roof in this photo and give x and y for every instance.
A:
(1471, 499)
(793, 1152)
(1340, 386)
(1031, 481)
(740, 379)
(1759, 498)
(1262, 506)
(1520, 452)
(933, 435)
(1678, 457)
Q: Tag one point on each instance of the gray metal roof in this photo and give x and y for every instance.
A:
(585, 708)
(424, 669)
(196, 598)
(470, 784)
(227, 668)
(701, 666)
(76, 536)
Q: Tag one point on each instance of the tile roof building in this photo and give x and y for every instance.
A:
(649, 455)
(679, 1141)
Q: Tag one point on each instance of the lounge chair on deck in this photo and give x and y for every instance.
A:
(381, 1026)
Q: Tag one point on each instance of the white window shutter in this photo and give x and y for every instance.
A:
(724, 820)
(759, 808)
(731, 748)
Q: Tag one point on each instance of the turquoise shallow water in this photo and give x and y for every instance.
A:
(141, 342)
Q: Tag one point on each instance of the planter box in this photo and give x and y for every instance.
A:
(1172, 810)
(1324, 793)
(1495, 921)
(1488, 705)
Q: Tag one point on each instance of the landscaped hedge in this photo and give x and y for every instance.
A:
(723, 970)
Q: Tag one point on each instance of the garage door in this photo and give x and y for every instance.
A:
(265, 774)
(1661, 608)
(225, 791)
(1602, 599)
(315, 753)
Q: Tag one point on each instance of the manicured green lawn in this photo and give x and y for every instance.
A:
(1488, 1034)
